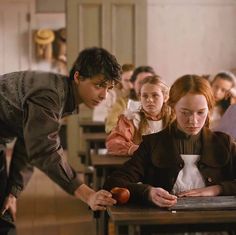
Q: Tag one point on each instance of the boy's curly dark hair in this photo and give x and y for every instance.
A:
(95, 60)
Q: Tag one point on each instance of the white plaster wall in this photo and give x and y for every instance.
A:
(50, 20)
(191, 36)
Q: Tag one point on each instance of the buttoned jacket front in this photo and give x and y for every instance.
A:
(32, 104)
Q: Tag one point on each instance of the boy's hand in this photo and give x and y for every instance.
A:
(10, 205)
(96, 200)
(100, 200)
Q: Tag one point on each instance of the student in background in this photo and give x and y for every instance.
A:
(120, 91)
(151, 117)
(123, 88)
(184, 159)
(123, 103)
(222, 86)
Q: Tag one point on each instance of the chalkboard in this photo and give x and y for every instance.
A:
(205, 203)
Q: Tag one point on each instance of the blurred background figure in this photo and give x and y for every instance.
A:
(223, 87)
(60, 52)
(130, 102)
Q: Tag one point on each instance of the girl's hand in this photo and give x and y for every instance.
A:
(161, 197)
(214, 190)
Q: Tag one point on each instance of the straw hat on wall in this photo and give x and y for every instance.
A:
(44, 36)
(43, 39)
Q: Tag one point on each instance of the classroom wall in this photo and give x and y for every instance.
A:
(183, 36)
(48, 14)
(53, 21)
(191, 36)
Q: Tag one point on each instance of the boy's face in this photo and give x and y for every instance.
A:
(92, 90)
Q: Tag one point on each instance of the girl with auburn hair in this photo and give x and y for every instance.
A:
(185, 159)
(190, 84)
(151, 117)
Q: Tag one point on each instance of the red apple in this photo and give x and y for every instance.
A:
(121, 195)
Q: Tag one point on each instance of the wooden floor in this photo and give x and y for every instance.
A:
(44, 209)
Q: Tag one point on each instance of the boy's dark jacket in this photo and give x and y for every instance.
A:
(32, 105)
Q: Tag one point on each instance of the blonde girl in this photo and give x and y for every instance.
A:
(151, 117)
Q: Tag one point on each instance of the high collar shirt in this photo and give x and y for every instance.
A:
(187, 144)
(32, 105)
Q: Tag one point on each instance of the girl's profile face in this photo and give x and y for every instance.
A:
(220, 88)
(191, 113)
(152, 99)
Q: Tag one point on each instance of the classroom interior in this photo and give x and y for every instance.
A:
(175, 37)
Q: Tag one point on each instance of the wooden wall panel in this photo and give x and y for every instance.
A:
(120, 26)
(116, 25)
(85, 25)
(90, 22)
(123, 32)
(15, 42)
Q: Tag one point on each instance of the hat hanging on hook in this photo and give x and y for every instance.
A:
(44, 36)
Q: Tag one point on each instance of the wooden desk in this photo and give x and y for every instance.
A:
(92, 126)
(98, 136)
(108, 160)
(167, 221)
(93, 140)
(93, 136)
(103, 164)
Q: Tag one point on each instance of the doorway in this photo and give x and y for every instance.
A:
(15, 40)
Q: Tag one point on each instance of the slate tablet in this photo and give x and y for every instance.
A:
(205, 203)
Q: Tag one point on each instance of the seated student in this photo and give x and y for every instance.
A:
(151, 117)
(123, 88)
(222, 86)
(184, 159)
(121, 103)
